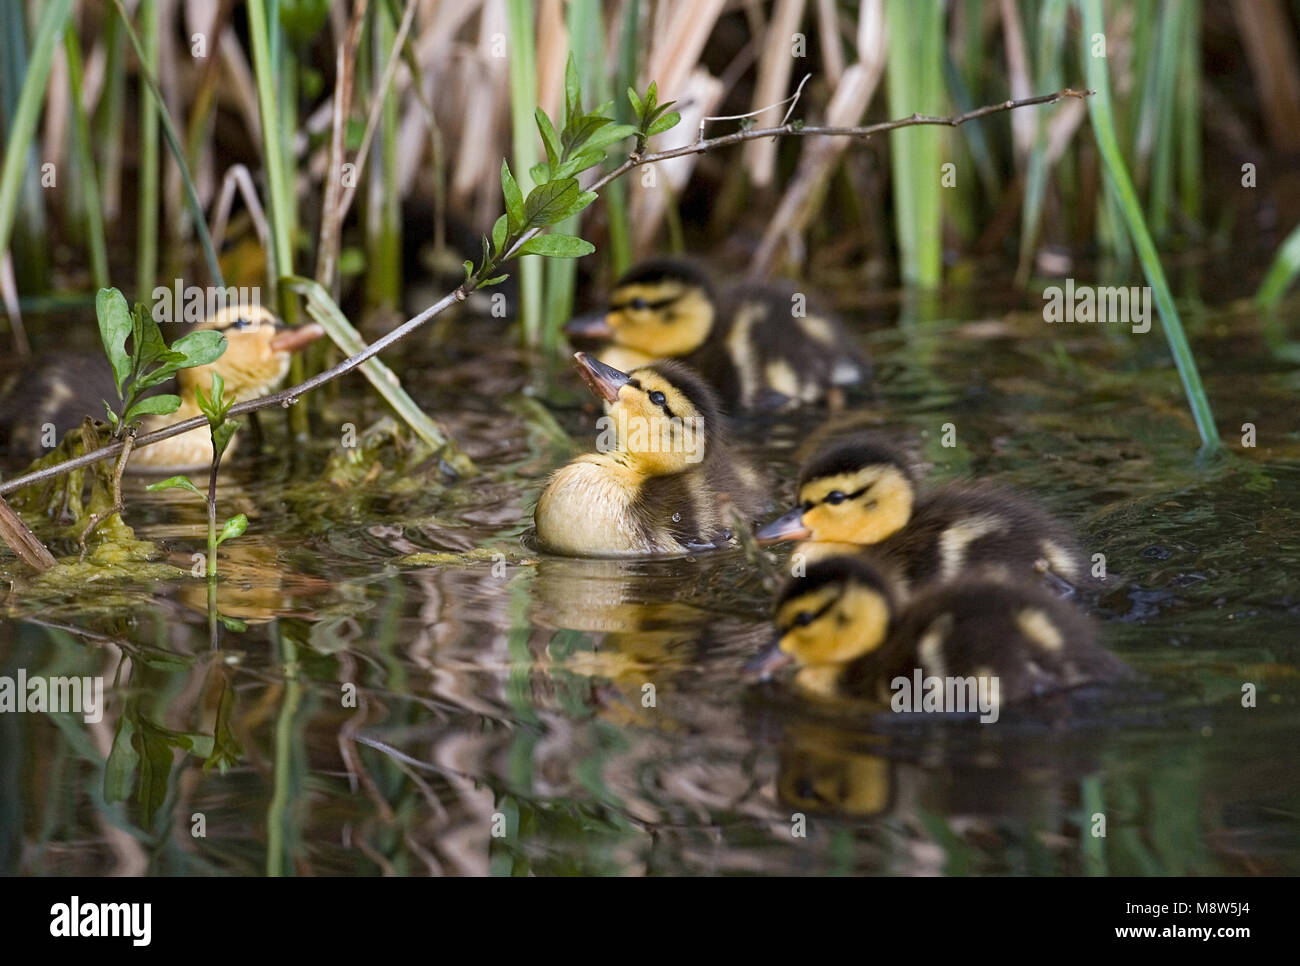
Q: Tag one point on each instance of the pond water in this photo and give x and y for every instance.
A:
(417, 690)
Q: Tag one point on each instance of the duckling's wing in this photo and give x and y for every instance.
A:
(977, 528)
(779, 345)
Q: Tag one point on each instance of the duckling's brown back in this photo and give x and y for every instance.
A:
(61, 391)
(1033, 642)
(770, 349)
(972, 529)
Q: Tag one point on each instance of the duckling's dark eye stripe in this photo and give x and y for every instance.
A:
(816, 614)
(848, 496)
(655, 305)
(634, 383)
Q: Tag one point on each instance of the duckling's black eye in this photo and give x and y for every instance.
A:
(639, 304)
(835, 497)
(658, 398)
(803, 618)
(240, 323)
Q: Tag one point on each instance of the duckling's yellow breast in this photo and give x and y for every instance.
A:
(179, 454)
(586, 510)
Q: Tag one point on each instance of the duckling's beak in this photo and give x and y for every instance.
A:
(605, 381)
(593, 325)
(788, 526)
(767, 662)
(293, 339)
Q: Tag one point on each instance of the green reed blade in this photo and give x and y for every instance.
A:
(173, 145)
(273, 158)
(86, 164)
(523, 101)
(1283, 271)
(22, 129)
(1099, 109)
(916, 85)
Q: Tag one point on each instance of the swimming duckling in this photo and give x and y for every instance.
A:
(757, 346)
(858, 492)
(843, 624)
(663, 480)
(65, 388)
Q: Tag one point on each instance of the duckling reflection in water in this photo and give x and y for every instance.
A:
(758, 347)
(665, 480)
(64, 388)
(843, 625)
(859, 492)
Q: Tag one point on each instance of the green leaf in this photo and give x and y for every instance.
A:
(540, 173)
(112, 416)
(234, 527)
(469, 270)
(637, 108)
(550, 202)
(226, 748)
(608, 135)
(499, 234)
(122, 758)
(514, 198)
(114, 327)
(155, 769)
(579, 163)
(147, 345)
(200, 348)
(576, 136)
(669, 120)
(221, 435)
(497, 280)
(234, 624)
(184, 482)
(159, 405)
(651, 99)
(549, 137)
(557, 246)
(214, 406)
(572, 91)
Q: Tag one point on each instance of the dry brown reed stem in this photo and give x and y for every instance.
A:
(288, 397)
(1270, 48)
(331, 214)
(22, 541)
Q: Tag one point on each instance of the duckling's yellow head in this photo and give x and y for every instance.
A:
(838, 611)
(257, 352)
(854, 491)
(662, 308)
(661, 416)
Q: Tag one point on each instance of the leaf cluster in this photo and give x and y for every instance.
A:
(581, 143)
(149, 362)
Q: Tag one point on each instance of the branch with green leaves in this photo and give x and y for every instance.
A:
(565, 160)
(150, 362)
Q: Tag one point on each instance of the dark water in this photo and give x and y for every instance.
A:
(418, 691)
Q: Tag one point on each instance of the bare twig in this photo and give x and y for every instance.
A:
(287, 397)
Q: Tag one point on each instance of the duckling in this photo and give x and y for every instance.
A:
(663, 479)
(858, 491)
(64, 388)
(750, 344)
(843, 624)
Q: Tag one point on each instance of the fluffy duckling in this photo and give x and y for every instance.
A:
(65, 388)
(843, 624)
(858, 492)
(756, 346)
(663, 479)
